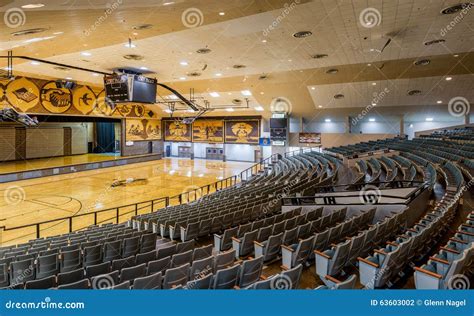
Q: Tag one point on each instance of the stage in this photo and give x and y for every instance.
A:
(44, 167)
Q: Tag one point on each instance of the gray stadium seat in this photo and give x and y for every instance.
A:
(226, 278)
(47, 266)
(176, 276)
(41, 284)
(150, 282)
(70, 260)
(269, 249)
(200, 283)
(122, 286)
(202, 252)
(129, 274)
(70, 277)
(250, 272)
(78, 285)
(182, 258)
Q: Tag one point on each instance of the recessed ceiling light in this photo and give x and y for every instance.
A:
(130, 45)
(429, 119)
(68, 78)
(134, 33)
(32, 6)
(173, 97)
(218, 75)
(313, 88)
(436, 41)
(327, 120)
(184, 63)
(259, 108)
(143, 68)
(290, 60)
(369, 65)
(449, 78)
(262, 93)
(439, 101)
(167, 111)
(86, 54)
(374, 104)
(320, 106)
(422, 62)
(229, 93)
(302, 34)
(35, 63)
(168, 3)
(95, 74)
(332, 71)
(190, 110)
(264, 41)
(374, 83)
(246, 93)
(182, 78)
(371, 120)
(455, 55)
(221, 13)
(58, 33)
(230, 110)
(214, 94)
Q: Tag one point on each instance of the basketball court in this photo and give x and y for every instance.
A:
(48, 198)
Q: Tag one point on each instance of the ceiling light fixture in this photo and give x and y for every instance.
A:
(320, 106)
(302, 34)
(130, 45)
(246, 93)
(86, 54)
(371, 120)
(221, 13)
(214, 94)
(184, 63)
(168, 3)
(35, 63)
(32, 6)
(449, 78)
(182, 78)
(429, 119)
(259, 108)
(439, 101)
(327, 120)
(230, 110)
(218, 75)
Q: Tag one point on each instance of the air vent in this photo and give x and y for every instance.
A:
(456, 8)
(332, 71)
(319, 56)
(133, 57)
(339, 96)
(62, 68)
(302, 34)
(238, 66)
(263, 77)
(194, 74)
(237, 101)
(422, 62)
(29, 31)
(142, 27)
(203, 51)
(436, 41)
(414, 92)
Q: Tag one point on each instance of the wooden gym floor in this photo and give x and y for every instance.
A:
(36, 200)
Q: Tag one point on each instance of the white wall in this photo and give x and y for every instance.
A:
(323, 127)
(382, 127)
(423, 126)
(240, 152)
(200, 149)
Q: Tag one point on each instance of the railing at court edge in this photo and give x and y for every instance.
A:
(126, 212)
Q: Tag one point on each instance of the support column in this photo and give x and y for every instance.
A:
(348, 125)
(467, 119)
(402, 125)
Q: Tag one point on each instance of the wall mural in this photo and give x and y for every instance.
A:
(38, 96)
(176, 131)
(242, 131)
(208, 131)
(144, 129)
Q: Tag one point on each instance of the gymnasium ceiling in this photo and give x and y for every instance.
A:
(259, 36)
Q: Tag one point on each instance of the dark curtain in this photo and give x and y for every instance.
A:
(105, 137)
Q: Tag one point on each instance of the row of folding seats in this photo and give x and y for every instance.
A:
(50, 264)
(77, 272)
(387, 264)
(263, 242)
(454, 259)
(332, 262)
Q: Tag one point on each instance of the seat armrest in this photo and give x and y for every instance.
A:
(370, 263)
(450, 250)
(332, 279)
(287, 248)
(236, 240)
(380, 252)
(217, 236)
(439, 260)
(322, 254)
(435, 275)
(258, 244)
